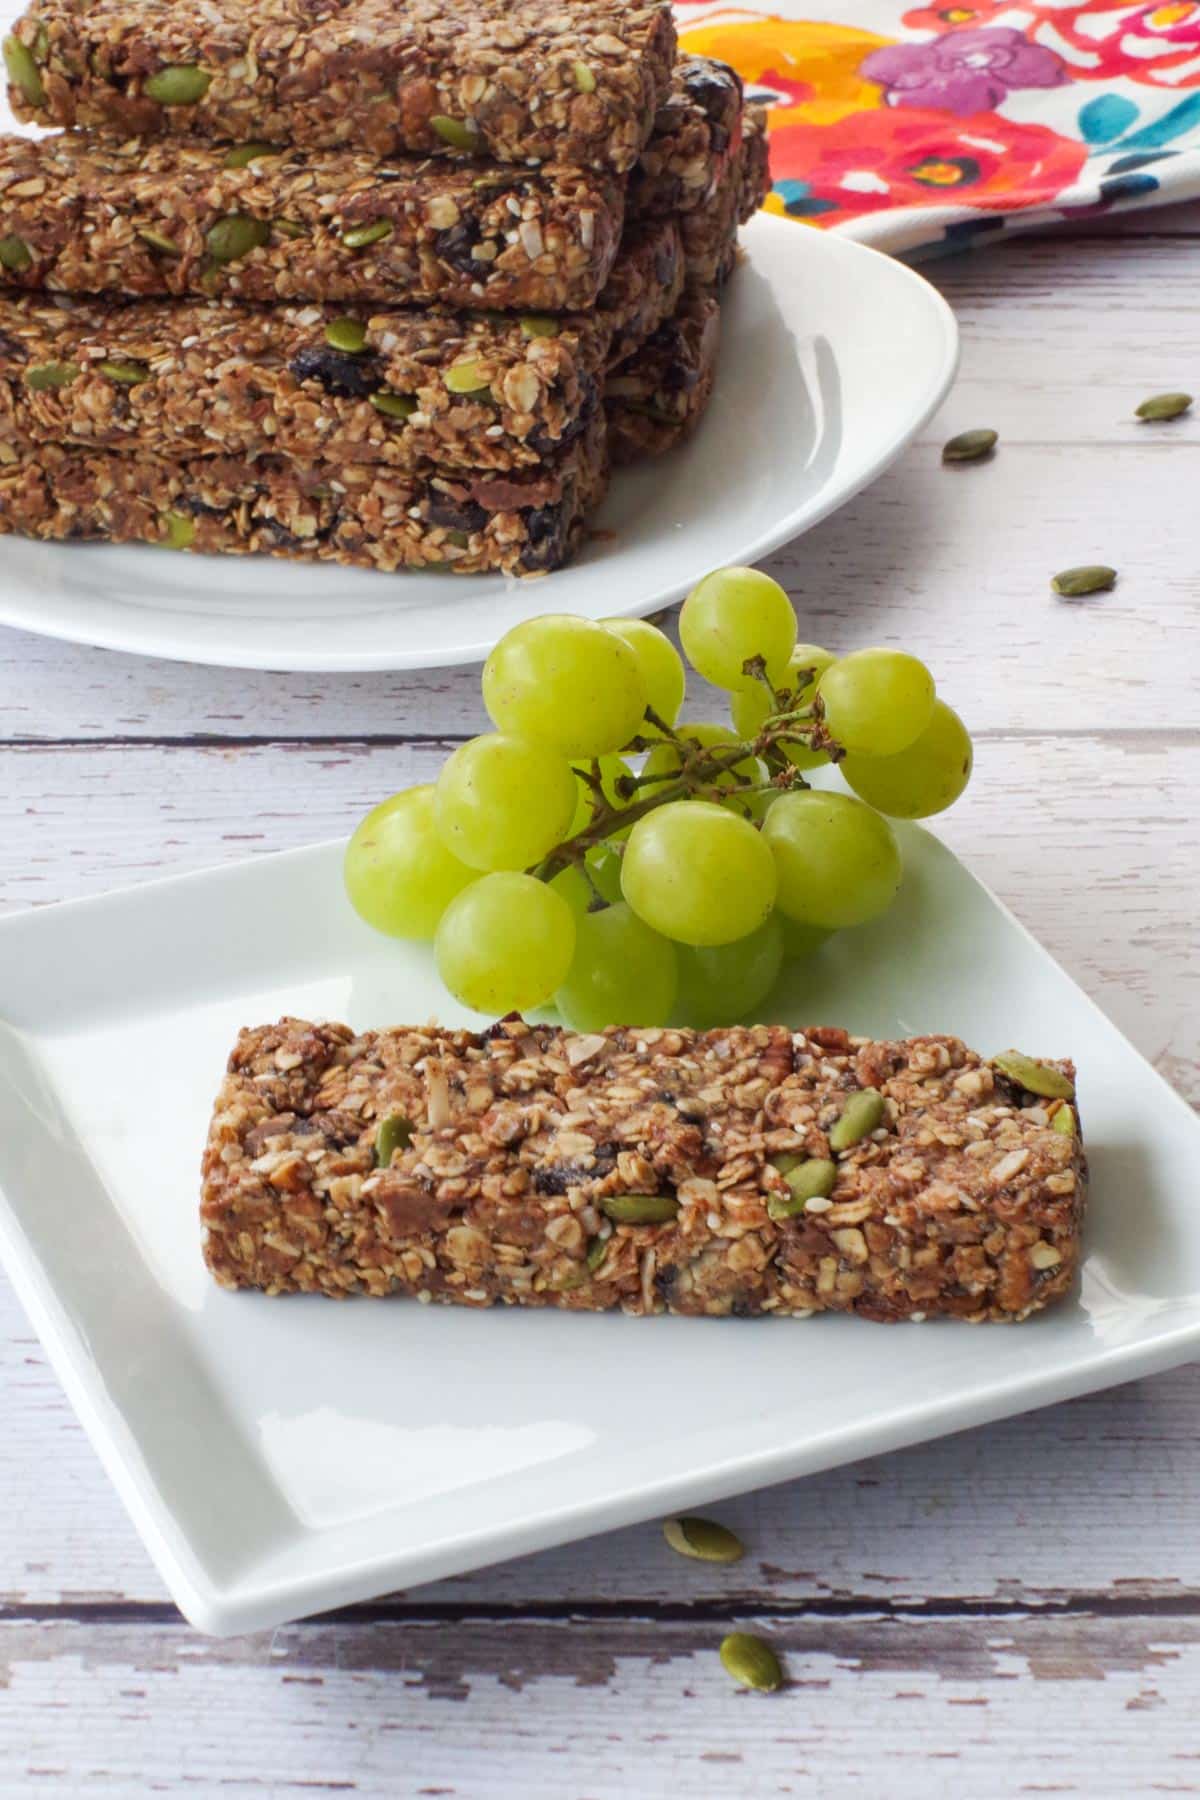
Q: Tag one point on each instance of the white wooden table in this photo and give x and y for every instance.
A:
(1013, 1611)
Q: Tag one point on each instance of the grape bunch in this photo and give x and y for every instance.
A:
(594, 853)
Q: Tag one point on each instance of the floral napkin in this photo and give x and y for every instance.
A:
(923, 128)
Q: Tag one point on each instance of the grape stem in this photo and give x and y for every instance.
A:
(699, 773)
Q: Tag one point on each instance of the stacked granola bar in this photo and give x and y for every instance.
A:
(343, 279)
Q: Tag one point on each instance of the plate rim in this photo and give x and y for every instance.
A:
(808, 242)
(250, 1603)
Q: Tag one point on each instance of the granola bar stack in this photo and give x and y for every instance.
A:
(372, 282)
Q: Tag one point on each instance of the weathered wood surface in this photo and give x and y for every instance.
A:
(1013, 1610)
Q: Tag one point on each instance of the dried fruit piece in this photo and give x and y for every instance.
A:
(704, 1540)
(751, 1661)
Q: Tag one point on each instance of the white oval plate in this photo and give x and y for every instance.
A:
(833, 357)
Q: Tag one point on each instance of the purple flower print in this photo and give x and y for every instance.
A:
(963, 71)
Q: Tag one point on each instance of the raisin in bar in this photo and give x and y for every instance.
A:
(163, 217)
(756, 163)
(572, 81)
(362, 514)
(178, 379)
(658, 397)
(742, 1171)
(696, 135)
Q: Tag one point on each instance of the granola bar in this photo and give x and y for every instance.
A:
(696, 136)
(640, 1169)
(82, 215)
(521, 523)
(756, 162)
(177, 379)
(572, 81)
(658, 397)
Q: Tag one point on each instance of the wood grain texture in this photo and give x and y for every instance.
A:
(1013, 1610)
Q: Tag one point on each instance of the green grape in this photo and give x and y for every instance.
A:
(567, 682)
(800, 941)
(399, 875)
(838, 862)
(731, 981)
(504, 802)
(574, 887)
(505, 943)
(661, 666)
(750, 706)
(604, 866)
(732, 615)
(611, 770)
(665, 759)
(876, 701)
(623, 973)
(922, 780)
(698, 874)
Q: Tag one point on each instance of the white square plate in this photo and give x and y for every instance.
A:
(285, 1456)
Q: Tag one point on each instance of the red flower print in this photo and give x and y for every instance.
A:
(900, 156)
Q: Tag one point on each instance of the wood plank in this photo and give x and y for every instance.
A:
(485, 1709)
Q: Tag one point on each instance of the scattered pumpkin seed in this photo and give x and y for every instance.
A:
(596, 1252)
(287, 228)
(242, 155)
(456, 132)
(361, 235)
(129, 374)
(861, 1114)
(639, 1209)
(810, 1179)
(158, 240)
(465, 378)
(1088, 578)
(1064, 1121)
(41, 44)
(51, 375)
(394, 406)
(751, 1661)
(180, 531)
(15, 254)
(585, 81)
(180, 84)
(460, 539)
(1035, 1077)
(704, 1540)
(1164, 406)
(536, 325)
(394, 1133)
(234, 237)
(970, 446)
(349, 335)
(23, 70)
